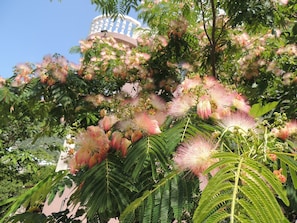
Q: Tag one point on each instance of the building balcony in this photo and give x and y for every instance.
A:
(123, 29)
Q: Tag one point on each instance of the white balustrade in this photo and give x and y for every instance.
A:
(123, 25)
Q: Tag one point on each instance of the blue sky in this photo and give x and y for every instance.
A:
(31, 29)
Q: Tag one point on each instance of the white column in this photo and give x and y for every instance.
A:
(123, 27)
(129, 30)
(117, 26)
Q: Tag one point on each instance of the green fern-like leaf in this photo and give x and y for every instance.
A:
(145, 152)
(104, 189)
(167, 200)
(292, 166)
(243, 190)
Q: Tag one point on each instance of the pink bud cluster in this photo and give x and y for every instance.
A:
(111, 133)
(178, 27)
(280, 176)
(53, 69)
(2, 81)
(23, 74)
(153, 43)
(111, 59)
(210, 97)
(93, 146)
(257, 56)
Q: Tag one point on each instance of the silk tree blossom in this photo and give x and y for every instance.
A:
(163, 40)
(191, 83)
(187, 88)
(238, 120)
(204, 107)
(93, 146)
(240, 103)
(116, 138)
(223, 99)
(144, 40)
(85, 45)
(96, 100)
(196, 156)
(178, 27)
(157, 102)
(23, 74)
(178, 107)
(107, 122)
(285, 132)
(282, 2)
(52, 69)
(2, 81)
(119, 142)
(243, 40)
(125, 143)
(145, 123)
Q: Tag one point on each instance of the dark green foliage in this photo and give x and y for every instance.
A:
(34, 197)
(251, 13)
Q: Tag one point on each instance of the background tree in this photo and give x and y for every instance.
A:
(187, 146)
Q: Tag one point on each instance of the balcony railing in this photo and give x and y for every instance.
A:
(124, 25)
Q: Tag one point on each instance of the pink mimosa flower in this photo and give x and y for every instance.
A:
(85, 45)
(158, 102)
(163, 41)
(107, 122)
(242, 40)
(239, 120)
(210, 82)
(181, 105)
(116, 138)
(190, 83)
(144, 122)
(114, 220)
(73, 165)
(23, 72)
(204, 107)
(195, 155)
(136, 135)
(221, 97)
(83, 156)
(92, 161)
(286, 131)
(125, 143)
(283, 2)
(2, 81)
(240, 103)
(160, 116)
(221, 112)
(93, 142)
(23, 69)
(282, 133)
(94, 131)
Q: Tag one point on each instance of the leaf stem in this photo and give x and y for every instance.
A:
(185, 129)
(235, 191)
